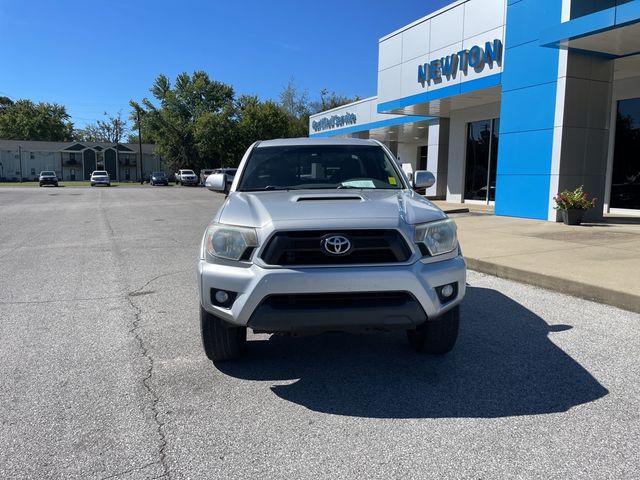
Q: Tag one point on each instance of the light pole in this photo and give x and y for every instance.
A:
(117, 160)
(140, 143)
(20, 160)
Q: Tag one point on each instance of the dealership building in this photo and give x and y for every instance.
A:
(508, 102)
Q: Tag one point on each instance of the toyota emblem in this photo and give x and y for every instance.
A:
(336, 245)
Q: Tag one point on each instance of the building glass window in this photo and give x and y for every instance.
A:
(422, 162)
(587, 7)
(481, 160)
(625, 180)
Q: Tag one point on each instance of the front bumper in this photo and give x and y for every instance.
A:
(48, 181)
(254, 285)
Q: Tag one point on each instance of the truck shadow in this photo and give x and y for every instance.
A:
(503, 365)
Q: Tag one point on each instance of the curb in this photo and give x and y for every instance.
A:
(626, 301)
(456, 210)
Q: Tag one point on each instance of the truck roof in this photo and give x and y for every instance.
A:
(280, 142)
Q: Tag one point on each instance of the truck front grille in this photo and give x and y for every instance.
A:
(305, 248)
(318, 301)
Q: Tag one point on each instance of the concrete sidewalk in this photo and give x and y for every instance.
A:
(599, 262)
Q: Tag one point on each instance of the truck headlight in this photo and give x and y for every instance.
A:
(439, 237)
(229, 241)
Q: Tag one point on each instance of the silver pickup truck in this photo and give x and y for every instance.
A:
(322, 235)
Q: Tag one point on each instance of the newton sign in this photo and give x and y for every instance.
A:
(476, 57)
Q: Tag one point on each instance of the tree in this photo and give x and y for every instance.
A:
(296, 105)
(294, 102)
(329, 100)
(4, 103)
(261, 120)
(216, 137)
(198, 123)
(172, 121)
(26, 120)
(299, 108)
(90, 133)
(112, 130)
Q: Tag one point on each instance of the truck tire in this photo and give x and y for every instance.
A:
(221, 341)
(437, 336)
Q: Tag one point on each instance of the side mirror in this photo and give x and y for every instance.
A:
(423, 179)
(217, 182)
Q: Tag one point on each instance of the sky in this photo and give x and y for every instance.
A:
(93, 56)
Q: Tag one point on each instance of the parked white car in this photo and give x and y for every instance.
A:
(186, 177)
(100, 177)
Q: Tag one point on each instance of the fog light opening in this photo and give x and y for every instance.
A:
(221, 296)
(447, 292)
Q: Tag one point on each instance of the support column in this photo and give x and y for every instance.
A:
(438, 157)
(581, 133)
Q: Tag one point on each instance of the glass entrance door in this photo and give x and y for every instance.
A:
(625, 179)
(481, 160)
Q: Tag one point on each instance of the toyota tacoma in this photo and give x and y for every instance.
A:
(322, 235)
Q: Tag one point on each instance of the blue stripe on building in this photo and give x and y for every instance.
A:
(369, 126)
(527, 111)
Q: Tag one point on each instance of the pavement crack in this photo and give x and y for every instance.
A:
(137, 291)
(130, 470)
(148, 375)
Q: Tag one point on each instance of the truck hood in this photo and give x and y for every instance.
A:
(323, 208)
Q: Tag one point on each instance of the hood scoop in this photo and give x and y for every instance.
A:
(326, 198)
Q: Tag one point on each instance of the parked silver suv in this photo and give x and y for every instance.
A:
(327, 234)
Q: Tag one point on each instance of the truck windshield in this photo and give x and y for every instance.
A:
(319, 167)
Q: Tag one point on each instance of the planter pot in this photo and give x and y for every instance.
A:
(573, 216)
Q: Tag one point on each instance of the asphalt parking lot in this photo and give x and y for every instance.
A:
(103, 375)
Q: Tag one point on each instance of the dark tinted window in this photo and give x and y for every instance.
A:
(581, 8)
(319, 166)
(625, 180)
(481, 160)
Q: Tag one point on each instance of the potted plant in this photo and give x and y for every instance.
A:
(573, 204)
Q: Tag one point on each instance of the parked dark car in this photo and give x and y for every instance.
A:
(159, 178)
(48, 177)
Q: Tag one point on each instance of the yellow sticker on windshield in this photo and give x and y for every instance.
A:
(392, 180)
